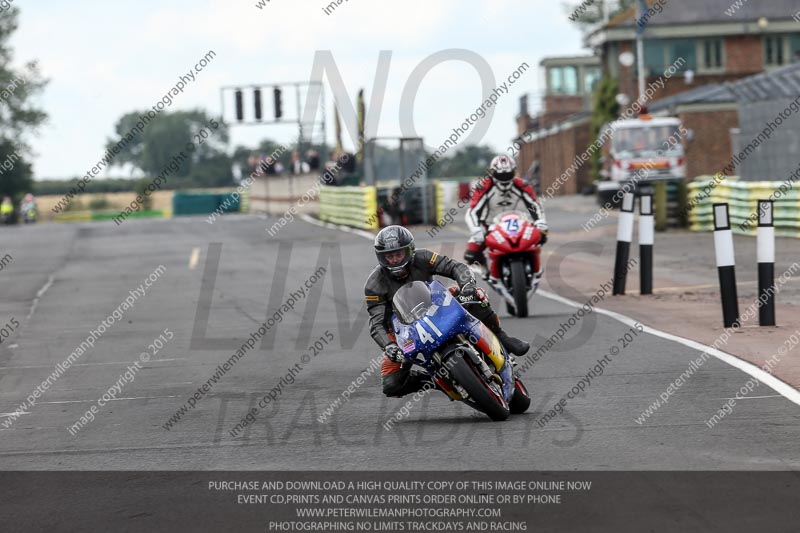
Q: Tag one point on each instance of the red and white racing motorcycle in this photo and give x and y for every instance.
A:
(514, 263)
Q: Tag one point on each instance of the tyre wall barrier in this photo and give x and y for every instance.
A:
(368, 207)
(742, 198)
(356, 207)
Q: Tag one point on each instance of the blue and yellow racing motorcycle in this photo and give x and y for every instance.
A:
(464, 358)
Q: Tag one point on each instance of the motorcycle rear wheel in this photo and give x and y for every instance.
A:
(521, 400)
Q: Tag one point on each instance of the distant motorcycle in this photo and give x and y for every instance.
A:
(514, 260)
(462, 355)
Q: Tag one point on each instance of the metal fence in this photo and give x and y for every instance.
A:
(777, 158)
(396, 164)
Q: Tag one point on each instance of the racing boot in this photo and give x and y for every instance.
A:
(512, 345)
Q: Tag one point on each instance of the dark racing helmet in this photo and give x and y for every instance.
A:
(394, 247)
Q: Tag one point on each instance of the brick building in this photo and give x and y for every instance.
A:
(717, 43)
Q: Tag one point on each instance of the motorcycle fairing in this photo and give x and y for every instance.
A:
(443, 321)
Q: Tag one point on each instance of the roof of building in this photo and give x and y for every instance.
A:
(772, 85)
(775, 84)
(570, 60)
(716, 93)
(709, 11)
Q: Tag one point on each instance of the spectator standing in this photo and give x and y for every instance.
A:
(298, 165)
(28, 209)
(7, 210)
(312, 156)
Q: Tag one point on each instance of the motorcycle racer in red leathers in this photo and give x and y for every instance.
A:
(498, 192)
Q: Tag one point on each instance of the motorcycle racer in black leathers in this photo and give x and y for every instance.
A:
(400, 263)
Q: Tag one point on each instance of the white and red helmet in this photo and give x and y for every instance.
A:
(503, 170)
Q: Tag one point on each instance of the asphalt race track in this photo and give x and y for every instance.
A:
(222, 281)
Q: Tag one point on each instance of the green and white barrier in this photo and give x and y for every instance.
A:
(85, 216)
(356, 207)
(742, 198)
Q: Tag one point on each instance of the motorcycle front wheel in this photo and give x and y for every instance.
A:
(519, 288)
(490, 402)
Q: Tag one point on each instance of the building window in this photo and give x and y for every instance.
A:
(682, 48)
(774, 50)
(591, 77)
(612, 64)
(660, 54)
(794, 46)
(712, 55)
(654, 52)
(564, 80)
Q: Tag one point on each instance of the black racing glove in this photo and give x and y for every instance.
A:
(468, 292)
(394, 353)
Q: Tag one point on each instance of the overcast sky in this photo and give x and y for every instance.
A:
(104, 59)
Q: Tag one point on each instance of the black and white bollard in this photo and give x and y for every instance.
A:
(647, 226)
(766, 263)
(726, 265)
(624, 238)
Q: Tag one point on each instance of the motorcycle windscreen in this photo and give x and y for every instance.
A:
(512, 215)
(412, 301)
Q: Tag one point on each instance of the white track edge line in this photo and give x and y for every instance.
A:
(782, 388)
(39, 295)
